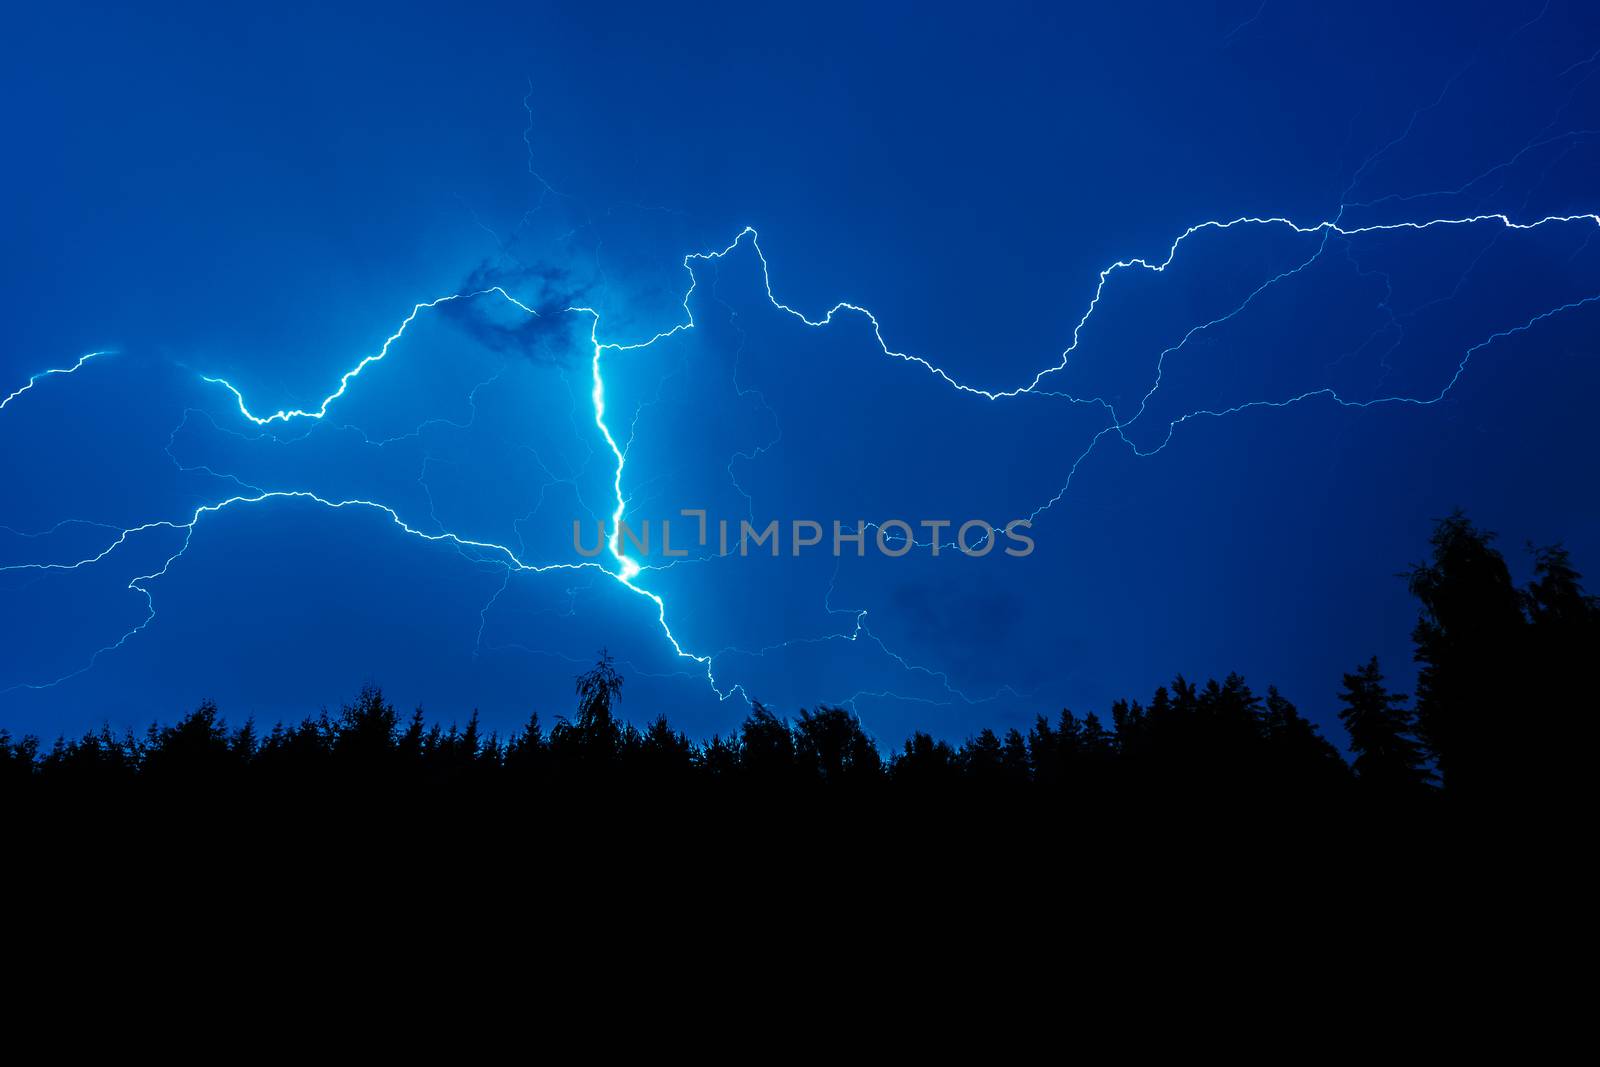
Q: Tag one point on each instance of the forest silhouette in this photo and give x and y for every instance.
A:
(1501, 709)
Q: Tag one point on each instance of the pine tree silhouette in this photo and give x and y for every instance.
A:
(1388, 757)
(1501, 708)
(1564, 647)
(1471, 642)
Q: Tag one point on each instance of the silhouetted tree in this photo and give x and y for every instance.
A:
(1503, 687)
(766, 747)
(980, 758)
(660, 758)
(1388, 757)
(598, 689)
(926, 765)
(1555, 598)
(298, 756)
(591, 745)
(1564, 647)
(1096, 746)
(364, 739)
(97, 761)
(525, 754)
(1045, 757)
(831, 746)
(1470, 641)
(1300, 759)
(718, 759)
(1014, 768)
(18, 761)
(1073, 757)
(193, 753)
(457, 755)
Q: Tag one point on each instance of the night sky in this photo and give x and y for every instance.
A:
(1235, 460)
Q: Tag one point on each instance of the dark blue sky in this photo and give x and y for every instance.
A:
(266, 197)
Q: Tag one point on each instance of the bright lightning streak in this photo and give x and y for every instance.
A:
(1155, 267)
(628, 570)
(507, 558)
(351, 374)
(35, 379)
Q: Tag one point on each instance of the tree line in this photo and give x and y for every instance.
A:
(1501, 708)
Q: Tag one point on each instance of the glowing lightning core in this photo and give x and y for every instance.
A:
(627, 570)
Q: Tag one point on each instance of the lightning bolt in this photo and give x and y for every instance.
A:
(37, 378)
(494, 551)
(629, 572)
(354, 372)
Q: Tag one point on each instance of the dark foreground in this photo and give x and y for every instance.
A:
(1498, 718)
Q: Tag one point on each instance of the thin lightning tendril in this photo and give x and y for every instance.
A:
(627, 569)
(35, 379)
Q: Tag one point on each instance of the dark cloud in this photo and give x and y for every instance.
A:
(543, 337)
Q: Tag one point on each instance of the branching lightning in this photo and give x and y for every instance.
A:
(630, 573)
(627, 570)
(188, 526)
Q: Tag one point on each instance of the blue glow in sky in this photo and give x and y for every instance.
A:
(325, 325)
